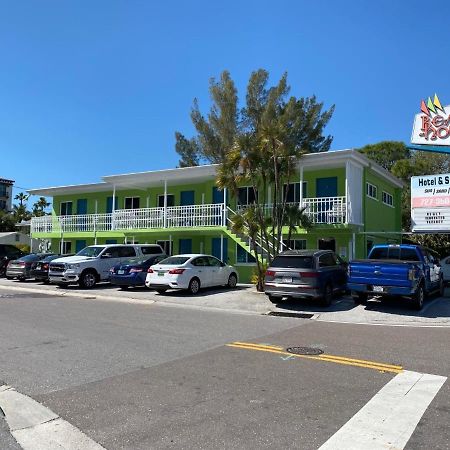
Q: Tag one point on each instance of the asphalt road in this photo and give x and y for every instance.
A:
(136, 376)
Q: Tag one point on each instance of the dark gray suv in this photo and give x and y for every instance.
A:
(306, 273)
(7, 253)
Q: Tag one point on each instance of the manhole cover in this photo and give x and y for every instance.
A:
(304, 350)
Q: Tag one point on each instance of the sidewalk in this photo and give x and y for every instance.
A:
(245, 300)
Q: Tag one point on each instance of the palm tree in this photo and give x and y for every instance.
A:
(22, 197)
(40, 206)
(295, 218)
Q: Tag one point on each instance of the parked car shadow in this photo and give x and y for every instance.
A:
(344, 303)
(204, 292)
(434, 307)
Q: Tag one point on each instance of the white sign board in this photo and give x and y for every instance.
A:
(432, 125)
(430, 203)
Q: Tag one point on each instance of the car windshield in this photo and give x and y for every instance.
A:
(50, 258)
(29, 258)
(405, 254)
(174, 260)
(90, 252)
(297, 262)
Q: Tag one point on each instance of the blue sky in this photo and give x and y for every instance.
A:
(92, 88)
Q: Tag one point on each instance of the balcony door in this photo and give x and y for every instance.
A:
(325, 187)
(187, 198)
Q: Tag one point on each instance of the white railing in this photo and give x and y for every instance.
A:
(321, 210)
(127, 219)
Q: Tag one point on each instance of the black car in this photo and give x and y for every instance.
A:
(39, 269)
(7, 254)
(133, 272)
(21, 268)
(317, 274)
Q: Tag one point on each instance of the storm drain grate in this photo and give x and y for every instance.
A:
(291, 314)
(305, 350)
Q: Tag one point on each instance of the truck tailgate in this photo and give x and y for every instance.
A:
(380, 273)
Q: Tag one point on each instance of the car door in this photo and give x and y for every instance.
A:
(219, 272)
(340, 272)
(202, 270)
(108, 259)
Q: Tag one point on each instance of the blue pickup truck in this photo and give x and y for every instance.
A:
(396, 270)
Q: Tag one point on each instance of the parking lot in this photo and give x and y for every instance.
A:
(245, 299)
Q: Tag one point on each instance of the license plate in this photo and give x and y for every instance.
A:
(378, 289)
(286, 280)
(121, 272)
(160, 274)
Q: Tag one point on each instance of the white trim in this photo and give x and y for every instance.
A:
(376, 190)
(391, 196)
(132, 206)
(60, 207)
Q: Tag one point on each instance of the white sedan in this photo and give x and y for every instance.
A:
(190, 272)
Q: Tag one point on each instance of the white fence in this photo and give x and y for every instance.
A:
(128, 219)
(321, 210)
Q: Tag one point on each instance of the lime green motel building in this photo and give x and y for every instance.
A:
(352, 201)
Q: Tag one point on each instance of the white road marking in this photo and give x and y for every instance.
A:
(388, 420)
(36, 427)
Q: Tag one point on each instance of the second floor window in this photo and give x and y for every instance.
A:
(170, 200)
(131, 202)
(388, 199)
(66, 208)
(372, 191)
(246, 195)
(3, 190)
(293, 192)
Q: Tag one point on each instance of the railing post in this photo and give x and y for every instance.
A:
(165, 204)
(224, 217)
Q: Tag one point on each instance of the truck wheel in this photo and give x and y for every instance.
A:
(418, 298)
(360, 298)
(327, 296)
(88, 279)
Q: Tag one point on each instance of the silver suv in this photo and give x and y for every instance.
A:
(93, 263)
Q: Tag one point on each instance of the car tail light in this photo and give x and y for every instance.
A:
(309, 274)
(44, 266)
(22, 264)
(176, 271)
(270, 273)
(135, 269)
(150, 270)
(411, 274)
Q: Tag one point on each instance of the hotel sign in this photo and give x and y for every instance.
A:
(430, 203)
(432, 124)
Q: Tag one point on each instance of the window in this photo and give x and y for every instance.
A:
(293, 192)
(65, 208)
(151, 250)
(66, 247)
(2, 204)
(372, 191)
(296, 244)
(131, 202)
(127, 252)
(201, 261)
(214, 261)
(327, 260)
(170, 200)
(388, 199)
(3, 191)
(293, 262)
(244, 257)
(166, 246)
(246, 195)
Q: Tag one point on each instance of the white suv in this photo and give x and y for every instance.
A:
(92, 264)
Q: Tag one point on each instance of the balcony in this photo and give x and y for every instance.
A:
(210, 215)
(321, 210)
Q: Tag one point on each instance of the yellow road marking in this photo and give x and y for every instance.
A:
(327, 358)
